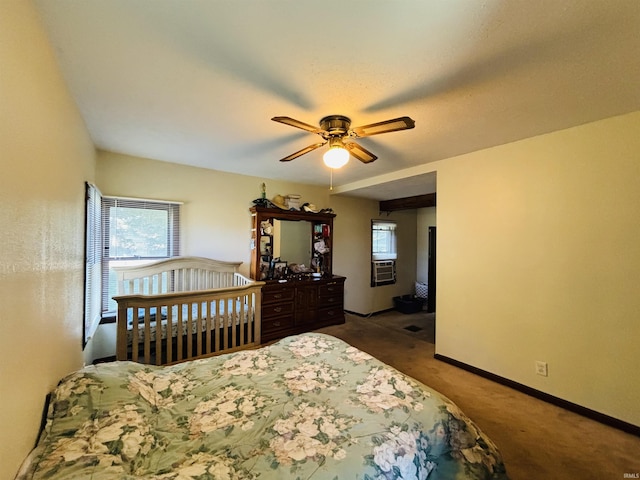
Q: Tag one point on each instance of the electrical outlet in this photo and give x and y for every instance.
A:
(541, 368)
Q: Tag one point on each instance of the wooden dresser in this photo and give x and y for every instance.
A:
(298, 306)
(292, 301)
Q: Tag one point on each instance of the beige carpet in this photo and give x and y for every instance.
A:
(537, 440)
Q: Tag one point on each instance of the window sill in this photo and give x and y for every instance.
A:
(107, 319)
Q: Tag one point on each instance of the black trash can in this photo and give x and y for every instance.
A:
(408, 303)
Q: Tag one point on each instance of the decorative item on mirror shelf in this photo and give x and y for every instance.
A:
(265, 268)
(262, 201)
(292, 200)
(267, 227)
(279, 202)
(316, 264)
(296, 268)
(265, 245)
(309, 208)
(320, 247)
(279, 269)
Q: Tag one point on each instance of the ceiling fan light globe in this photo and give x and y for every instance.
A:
(336, 157)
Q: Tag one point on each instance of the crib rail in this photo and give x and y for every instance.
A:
(178, 274)
(179, 326)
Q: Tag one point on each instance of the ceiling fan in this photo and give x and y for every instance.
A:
(336, 130)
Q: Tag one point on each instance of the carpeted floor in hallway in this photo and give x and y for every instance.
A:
(537, 440)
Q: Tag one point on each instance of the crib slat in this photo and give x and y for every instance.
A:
(217, 318)
(198, 327)
(147, 336)
(189, 337)
(169, 343)
(233, 306)
(135, 334)
(208, 326)
(179, 311)
(158, 334)
(246, 319)
(225, 323)
(241, 320)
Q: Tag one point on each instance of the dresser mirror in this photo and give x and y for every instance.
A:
(292, 241)
(282, 238)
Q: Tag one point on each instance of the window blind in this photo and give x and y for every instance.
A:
(93, 261)
(383, 240)
(135, 230)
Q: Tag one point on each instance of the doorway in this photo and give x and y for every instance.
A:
(431, 272)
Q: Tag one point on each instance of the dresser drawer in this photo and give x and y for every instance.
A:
(335, 299)
(276, 323)
(331, 289)
(276, 310)
(275, 295)
(331, 294)
(330, 315)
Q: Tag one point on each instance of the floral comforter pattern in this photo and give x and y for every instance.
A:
(307, 407)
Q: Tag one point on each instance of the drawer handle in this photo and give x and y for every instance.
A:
(278, 295)
(276, 324)
(277, 309)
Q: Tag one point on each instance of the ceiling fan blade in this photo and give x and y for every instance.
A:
(297, 123)
(302, 152)
(361, 153)
(400, 123)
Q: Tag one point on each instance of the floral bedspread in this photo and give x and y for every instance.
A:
(308, 407)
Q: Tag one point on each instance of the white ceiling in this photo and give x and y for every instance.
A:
(196, 82)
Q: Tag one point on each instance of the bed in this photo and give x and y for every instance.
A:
(184, 308)
(309, 406)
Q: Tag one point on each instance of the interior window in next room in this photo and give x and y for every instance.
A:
(383, 252)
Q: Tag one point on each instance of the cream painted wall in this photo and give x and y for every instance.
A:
(46, 157)
(547, 266)
(352, 254)
(215, 216)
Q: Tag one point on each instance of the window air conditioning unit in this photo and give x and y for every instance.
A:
(384, 272)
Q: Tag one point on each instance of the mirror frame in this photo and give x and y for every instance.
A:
(261, 214)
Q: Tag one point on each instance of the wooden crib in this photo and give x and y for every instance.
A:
(185, 308)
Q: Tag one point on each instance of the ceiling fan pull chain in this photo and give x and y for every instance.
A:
(331, 181)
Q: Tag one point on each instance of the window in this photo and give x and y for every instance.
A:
(92, 262)
(383, 252)
(383, 240)
(135, 231)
